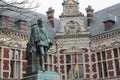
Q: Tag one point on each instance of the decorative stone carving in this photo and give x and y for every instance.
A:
(72, 50)
(72, 27)
(14, 44)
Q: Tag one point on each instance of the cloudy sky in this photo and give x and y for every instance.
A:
(57, 5)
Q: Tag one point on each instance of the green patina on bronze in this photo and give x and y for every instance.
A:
(38, 45)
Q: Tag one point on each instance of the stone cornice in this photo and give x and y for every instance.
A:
(13, 33)
(72, 36)
(79, 15)
(104, 36)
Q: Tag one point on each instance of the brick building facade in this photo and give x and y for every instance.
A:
(95, 38)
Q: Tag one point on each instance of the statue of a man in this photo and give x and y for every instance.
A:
(39, 42)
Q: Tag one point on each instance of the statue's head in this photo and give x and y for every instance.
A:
(39, 21)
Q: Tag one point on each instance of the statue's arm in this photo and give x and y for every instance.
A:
(50, 42)
(32, 35)
(32, 32)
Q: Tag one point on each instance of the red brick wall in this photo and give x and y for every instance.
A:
(94, 76)
(5, 65)
(87, 75)
(110, 65)
(61, 59)
(55, 68)
(94, 68)
(109, 54)
(23, 54)
(111, 73)
(62, 69)
(86, 57)
(5, 74)
(55, 59)
(24, 64)
(87, 66)
(6, 52)
(93, 57)
(63, 76)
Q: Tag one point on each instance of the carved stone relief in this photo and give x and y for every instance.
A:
(72, 27)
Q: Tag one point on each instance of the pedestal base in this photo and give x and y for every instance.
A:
(41, 75)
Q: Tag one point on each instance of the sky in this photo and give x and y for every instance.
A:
(57, 5)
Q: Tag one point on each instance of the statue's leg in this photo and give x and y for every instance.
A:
(45, 50)
(41, 58)
(40, 61)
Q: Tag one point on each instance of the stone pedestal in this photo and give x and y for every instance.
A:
(42, 75)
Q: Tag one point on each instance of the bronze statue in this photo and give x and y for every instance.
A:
(39, 43)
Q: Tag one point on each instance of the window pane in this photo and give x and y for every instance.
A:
(50, 59)
(68, 65)
(17, 54)
(80, 58)
(68, 59)
(46, 66)
(107, 26)
(73, 60)
(12, 52)
(81, 73)
(15, 66)
(68, 71)
(68, 68)
(74, 73)
(117, 66)
(115, 52)
(103, 55)
(12, 64)
(105, 69)
(50, 67)
(100, 70)
(98, 56)
(17, 70)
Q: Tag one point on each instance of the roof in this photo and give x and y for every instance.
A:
(97, 25)
(31, 18)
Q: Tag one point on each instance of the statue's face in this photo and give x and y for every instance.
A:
(39, 22)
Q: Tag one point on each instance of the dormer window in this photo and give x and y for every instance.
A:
(109, 21)
(3, 21)
(21, 24)
(108, 24)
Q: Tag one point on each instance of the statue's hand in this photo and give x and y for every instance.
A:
(50, 43)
